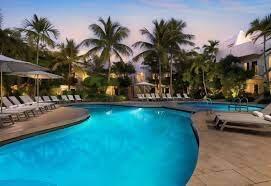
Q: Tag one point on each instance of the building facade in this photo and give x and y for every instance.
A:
(251, 55)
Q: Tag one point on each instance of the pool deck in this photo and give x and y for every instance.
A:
(235, 158)
(59, 118)
(231, 157)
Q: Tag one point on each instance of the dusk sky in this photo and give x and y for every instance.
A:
(206, 19)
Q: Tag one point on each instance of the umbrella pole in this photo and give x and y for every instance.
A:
(1, 89)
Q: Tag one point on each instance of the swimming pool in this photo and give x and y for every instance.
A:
(219, 106)
(116, 146)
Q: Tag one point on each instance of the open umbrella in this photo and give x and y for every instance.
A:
(8, 64)
(144, 84)
(37, 75)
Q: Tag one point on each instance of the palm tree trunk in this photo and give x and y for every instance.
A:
(160, 77)
(170, 84)
(37, 48)
(265, 62)
(69, 78)
(109, 70)
(203, 82)
(37, 61)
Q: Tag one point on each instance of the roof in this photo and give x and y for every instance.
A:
(239, 46)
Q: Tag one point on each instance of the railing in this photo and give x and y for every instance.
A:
(237, 104)
(245, 101)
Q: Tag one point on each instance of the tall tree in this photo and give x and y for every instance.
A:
(200, 66)
(39, 30)
(108, 41)
(178, 38)
(157, 45)
(262, 28)
(211, 49)
(69, 55)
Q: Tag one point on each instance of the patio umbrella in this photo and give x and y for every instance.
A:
(8, 64)
(38, 75)
(144, 84)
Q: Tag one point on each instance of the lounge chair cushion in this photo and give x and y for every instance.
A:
(267, 117)
(257, 113)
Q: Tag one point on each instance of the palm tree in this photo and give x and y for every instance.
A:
(108, 41)
(157, 45)
(211, 49)
(178, 38)
(69, 55)
(39, 30)
(200, 66)
(263, 29)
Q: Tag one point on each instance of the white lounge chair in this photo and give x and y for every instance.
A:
(164, 97)
(242, 121)
(55, 99)
(154, 97)
(6, 118)
(149, 98)
(28, 101)
(186, 96)
(18, 111)
(179, 97)
(169, 97)
(65, 98)
(71, 98)
(21, 105)
(157, 97)
(78, 98)
(47, 99)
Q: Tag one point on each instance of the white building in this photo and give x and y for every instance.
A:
(251, 56)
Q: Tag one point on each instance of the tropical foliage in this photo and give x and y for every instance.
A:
(166, 51)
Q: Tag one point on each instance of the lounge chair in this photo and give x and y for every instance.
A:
(154, 97)
(18, 111)
(169, 96)
(47, 99)
(149, 98)
(164, 97)
(6, 118)
(65, 98)
(78, 98)
(144, 97)
(71, 98)
(245, 121)
(21, 105)
(157, 97)
(186, 96)
(28, 101)
(179, 97)
(139, 97)
(38, 99)
(55, 99)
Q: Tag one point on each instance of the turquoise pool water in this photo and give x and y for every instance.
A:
(117, 146)
(219, 106)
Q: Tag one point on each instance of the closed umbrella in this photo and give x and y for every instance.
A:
(37, 75)
(8, 64)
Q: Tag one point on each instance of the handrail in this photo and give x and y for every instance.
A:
(246, 101)
(237, 104)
